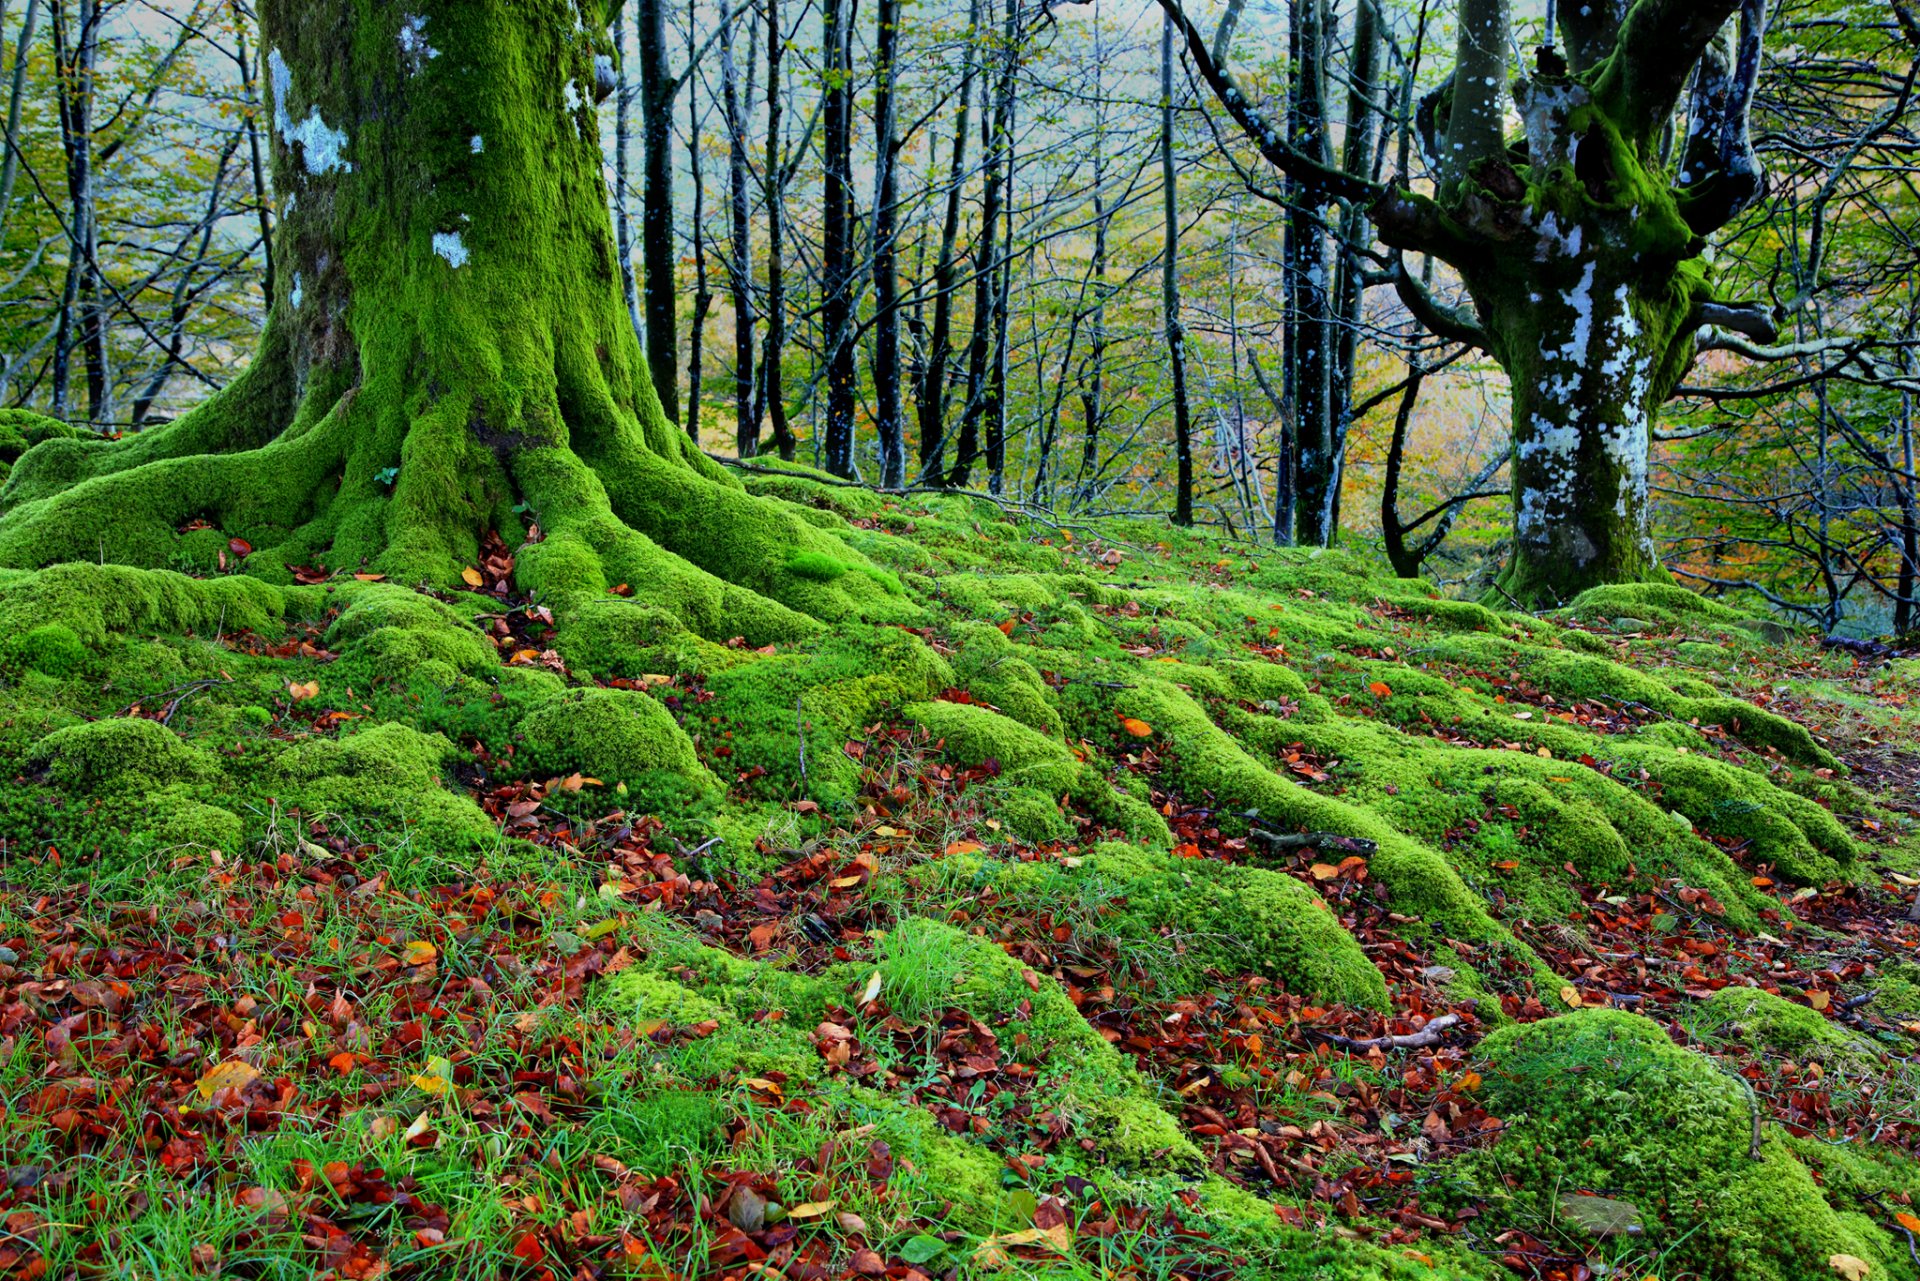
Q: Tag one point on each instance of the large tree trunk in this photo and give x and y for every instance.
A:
(449, 355)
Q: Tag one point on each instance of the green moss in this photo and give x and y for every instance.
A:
(815, 566)
(124, 749)
(398, 631)
(174, 818)
(974, 735)
(51, 648)
(390, 754)
(1087, 1076)
(617, 736)
(1604, 1102)
(1244, 919)
(1776, 1026)
(1795, 836)
(1032, 815)
(1663, 602)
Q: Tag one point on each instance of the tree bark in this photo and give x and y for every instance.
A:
(1170, 291)
(658, 285)
(886, 276)
(836, 248)
(982, 388)
(455, 361)
(931, 394)
(702, 289)
(740, 253)
(772, 393)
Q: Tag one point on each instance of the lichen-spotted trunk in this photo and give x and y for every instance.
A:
(1584, 362)
(448, 354)
(1587, 306)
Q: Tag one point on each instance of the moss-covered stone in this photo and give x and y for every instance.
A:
(1604, 1102)
(973, 735)
(129, 750)
(617, 736)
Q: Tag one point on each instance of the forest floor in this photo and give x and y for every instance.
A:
(1190, 910)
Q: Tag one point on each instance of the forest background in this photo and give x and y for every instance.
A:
(1054, 262)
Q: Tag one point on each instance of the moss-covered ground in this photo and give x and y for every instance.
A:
(1091, 909)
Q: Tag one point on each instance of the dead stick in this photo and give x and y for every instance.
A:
(1315, 841)
(1426, 1036)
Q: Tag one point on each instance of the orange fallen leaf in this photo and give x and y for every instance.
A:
(371, 578)
(1819, 1000)
(810, 1210)
(343, 1062)
(1137, 728)
(302, 692)
(964, 847)
(419, 952)
(1323, 871)
(1907, 1221)
(473, 577)
(1571, 995)
(1380, 689)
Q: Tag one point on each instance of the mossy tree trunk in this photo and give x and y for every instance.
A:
(448, 352)
(1580, 242)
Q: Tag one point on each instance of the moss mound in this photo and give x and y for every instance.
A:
(1601, 1102)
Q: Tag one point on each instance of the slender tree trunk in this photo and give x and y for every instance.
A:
(886, 273)
(622, 184)
(256, 156)
(1170, 290)
(772, 392)
(658, 284)
(986, 266)
(1906, 614)
(996, 409)
(931, 394)
(16, 97)
(1311, 349)
(836, 251)
(702, 290)
(1094, 370)
(1356, 236)
(740, 253)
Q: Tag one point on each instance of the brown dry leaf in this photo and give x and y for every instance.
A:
(1819, 1000)
(419, 952)
(810, 1210)
(1852, 1267)
(303, 691)
(473, 577)
(1323, 871)
(1571, 995)
(1059, 1238)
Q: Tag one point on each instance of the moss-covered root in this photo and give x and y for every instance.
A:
(1206, 759)
(1603, 1102)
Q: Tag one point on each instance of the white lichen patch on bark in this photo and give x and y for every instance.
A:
(450, 246)
(322, 148)
(414, 48)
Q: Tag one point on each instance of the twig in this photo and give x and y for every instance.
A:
(1426, 1036)
(1315, 841)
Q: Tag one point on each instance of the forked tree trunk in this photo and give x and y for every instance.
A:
(449, 354)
